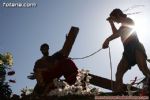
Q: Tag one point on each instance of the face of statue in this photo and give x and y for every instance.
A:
(116, 19)
(44, 49)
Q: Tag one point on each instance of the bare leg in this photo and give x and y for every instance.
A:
(122, 68)
(141, 61)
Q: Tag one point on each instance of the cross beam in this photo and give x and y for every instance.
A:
(106, 83)
(70, 39)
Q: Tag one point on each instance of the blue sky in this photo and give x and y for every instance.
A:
(23, 30)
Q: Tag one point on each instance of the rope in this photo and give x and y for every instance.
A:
(95, 53)
(132, 7)
(110, 68)
(87, 56)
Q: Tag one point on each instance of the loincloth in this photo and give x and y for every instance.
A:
(129, 52)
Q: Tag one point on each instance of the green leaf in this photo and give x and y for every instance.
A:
(1, 56)
(148, 60)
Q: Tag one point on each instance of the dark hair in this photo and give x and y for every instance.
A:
(117, 12)
(45, 45)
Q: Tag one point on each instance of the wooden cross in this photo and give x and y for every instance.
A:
(70, 39)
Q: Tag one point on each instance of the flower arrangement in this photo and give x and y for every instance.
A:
(6, 59)
(26, 91)
(81, 86)
(6, 62)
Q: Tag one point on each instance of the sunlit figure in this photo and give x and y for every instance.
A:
(134, 52)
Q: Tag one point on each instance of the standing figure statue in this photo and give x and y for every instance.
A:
(134, 52)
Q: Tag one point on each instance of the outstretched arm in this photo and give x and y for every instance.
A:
(113, 36)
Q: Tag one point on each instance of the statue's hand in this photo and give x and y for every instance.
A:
(105, 44)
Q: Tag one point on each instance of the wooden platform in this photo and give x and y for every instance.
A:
(86, 97)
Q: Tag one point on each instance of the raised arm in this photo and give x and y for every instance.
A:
(114, 29)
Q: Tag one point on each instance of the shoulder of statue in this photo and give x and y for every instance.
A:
(38, 60)
(129, 21)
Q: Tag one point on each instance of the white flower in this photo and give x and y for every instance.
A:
(27, 90)
(58, 83)
(1, 62)
(9, 58)
(81, 86)
(88, 78)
